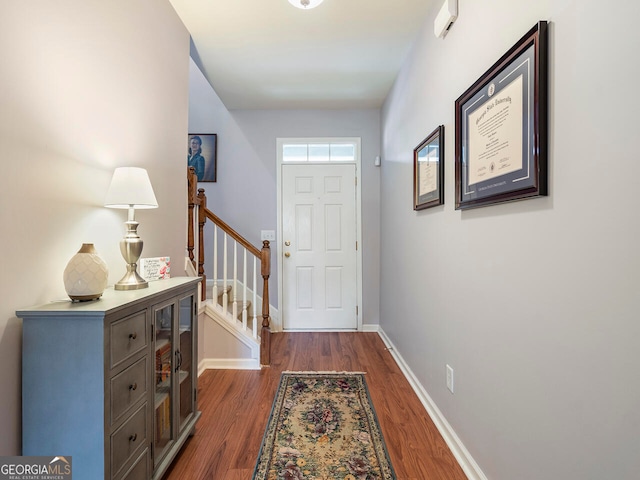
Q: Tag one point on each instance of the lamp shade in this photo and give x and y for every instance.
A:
(130, 187)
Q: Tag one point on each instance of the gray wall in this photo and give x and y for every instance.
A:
(535, 303)
(85, 86)
(245, 194)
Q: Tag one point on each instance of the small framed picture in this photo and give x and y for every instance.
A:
(202, 155)
(157, 268)
(428, 171)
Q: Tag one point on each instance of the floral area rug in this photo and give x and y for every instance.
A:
(323, 427)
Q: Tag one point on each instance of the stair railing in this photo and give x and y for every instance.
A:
(199, 213)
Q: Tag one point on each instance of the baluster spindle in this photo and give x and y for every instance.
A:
(244, 290)
(225, 292)
(234, 308)
(215, 263)
(255, 296)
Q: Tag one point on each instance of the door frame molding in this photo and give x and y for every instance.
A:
(358, 143)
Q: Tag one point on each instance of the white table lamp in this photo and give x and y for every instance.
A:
(131, 188)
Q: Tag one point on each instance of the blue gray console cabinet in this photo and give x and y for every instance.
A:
(112, 383)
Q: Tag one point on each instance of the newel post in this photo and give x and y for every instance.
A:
(202, 201)
(192, 186)
(265, 334)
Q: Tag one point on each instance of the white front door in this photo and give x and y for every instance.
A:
(319, 246)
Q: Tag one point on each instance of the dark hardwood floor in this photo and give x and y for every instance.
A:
(235, 407)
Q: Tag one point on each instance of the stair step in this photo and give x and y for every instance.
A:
(238, 321)
(230, 308)
(221, 292)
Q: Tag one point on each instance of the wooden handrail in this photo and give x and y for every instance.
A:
(198, 198)
(230, 231)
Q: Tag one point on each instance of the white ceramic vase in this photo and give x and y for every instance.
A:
(86, 274)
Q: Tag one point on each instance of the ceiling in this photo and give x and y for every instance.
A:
(267, 54)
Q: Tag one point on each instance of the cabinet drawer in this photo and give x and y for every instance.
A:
(129, 439)
(140, 469)
(128, 337)
(128, 387)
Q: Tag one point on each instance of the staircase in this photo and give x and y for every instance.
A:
(239, 336)
(234, 299)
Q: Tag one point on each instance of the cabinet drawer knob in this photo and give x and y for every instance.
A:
(134, 386)
(133, 437)
(133, 336)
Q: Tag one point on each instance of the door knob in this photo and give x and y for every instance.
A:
(287, 254)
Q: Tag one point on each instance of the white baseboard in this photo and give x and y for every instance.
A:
(370, 327)
(467, 463)
(228, 364)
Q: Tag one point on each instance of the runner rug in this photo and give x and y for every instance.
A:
(323, 426)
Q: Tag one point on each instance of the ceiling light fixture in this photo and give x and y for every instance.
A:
(305, 4)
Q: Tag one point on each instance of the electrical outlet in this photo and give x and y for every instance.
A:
(450, 378)
(267, 235)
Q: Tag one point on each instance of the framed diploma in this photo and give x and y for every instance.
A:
(428, 171)
(501, 128)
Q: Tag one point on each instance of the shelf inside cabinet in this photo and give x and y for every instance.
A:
(160, 397)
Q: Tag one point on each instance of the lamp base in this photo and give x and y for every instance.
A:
(131, 280)
(131, 248)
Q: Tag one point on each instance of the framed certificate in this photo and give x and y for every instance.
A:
(428, 171)
(501, 128)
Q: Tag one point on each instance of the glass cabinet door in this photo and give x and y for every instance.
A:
(164, 369)
(186, 367)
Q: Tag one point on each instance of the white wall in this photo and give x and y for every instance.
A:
(85, 86)
(534, 304)
(245, 194)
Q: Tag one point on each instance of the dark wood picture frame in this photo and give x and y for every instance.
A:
(428, 171)
(206, 160)
(501, 128)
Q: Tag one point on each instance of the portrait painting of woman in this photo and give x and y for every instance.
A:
(201, 154)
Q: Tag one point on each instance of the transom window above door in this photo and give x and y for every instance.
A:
(318, 151)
